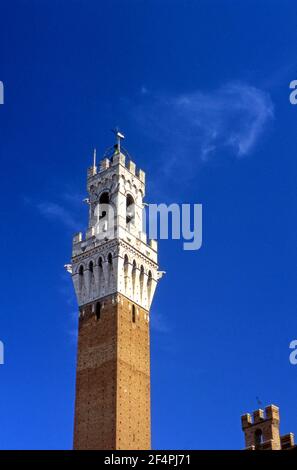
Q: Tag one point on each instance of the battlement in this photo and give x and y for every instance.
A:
(259, 416)
(77, 238)
(153, 244)
(118, 158)
(262, 432)
(83, 242)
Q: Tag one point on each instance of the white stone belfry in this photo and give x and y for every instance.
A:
(115, 256)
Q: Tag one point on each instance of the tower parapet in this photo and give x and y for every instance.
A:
(115, 233)
(261, 430)
(115, 159)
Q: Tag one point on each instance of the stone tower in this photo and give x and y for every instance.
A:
(115, 272)
(262, 431)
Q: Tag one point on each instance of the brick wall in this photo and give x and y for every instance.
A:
(133, 384)
(112, 407)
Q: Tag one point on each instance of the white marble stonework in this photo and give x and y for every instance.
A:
(115, 255)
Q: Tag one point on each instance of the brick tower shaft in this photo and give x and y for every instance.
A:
(112, 409)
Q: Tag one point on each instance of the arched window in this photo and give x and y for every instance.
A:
(133, 275)
(126, 262)
(133, 314)
(126, 266)
(130, 209)
(91, 277)
(103, 202)
(110, 273)
(104, 198)
(141, 279)
(98, 310)
(100, 276)
(258, 437)
(149, 285)
(81, 276)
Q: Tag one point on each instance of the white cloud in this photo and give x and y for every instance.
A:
(74, 198)
(201, 125)
(58, 213)
(143, 90)
(159, 323)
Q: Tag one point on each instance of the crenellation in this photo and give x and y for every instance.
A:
(246, 420)
(272, 412)
(104, 164)
(153, 244)
(118, 158)
(90, 233)
(77, 238)
(122, 166)
(141, 175)
(92, 171)
(138, 247)
(287, 441)
(258, 416)
(263, 432)
(131, 167)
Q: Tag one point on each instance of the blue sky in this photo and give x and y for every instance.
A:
(201, 90)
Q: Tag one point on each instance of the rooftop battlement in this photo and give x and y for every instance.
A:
(81, 242)
(258, 416)
(117, 158)
(262, 431)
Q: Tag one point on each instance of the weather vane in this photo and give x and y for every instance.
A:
(259, 401)
(119, 137)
